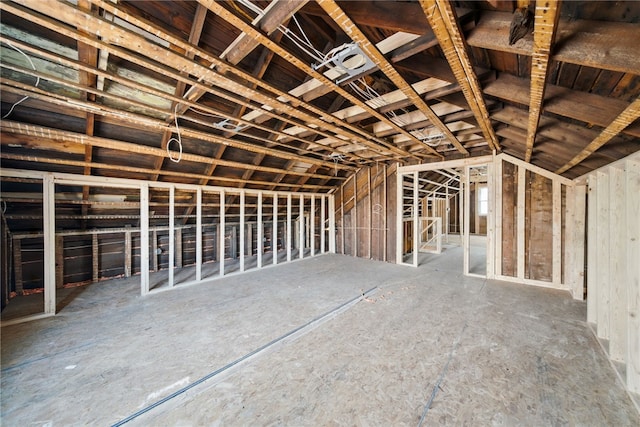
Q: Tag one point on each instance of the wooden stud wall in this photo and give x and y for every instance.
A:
(613, 270)
(365, 214)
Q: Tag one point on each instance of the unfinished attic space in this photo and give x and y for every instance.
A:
(311, 213)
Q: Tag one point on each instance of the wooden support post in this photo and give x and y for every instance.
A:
(575, 240)
(556, 232)
(144, 239)
(618, 265)
(289, 227)
(154, 248)
(222, 233)
(520, 233)
(178, 247)
(59, 261)
(602, 256)
(467, 219)
(323, 225)
(274, 231)
(242, 231)
(354, 215)
(127, 253)
(17, 265)
(260, 231)
(49, 231)
(95, 256)
(369, 214)
(416, 218)
(342, 231)
(592, 259)
(399, 218)
(384, 212)
(332, 224)
(301, 230)
(199, 234)
(172, 234)
(491, 221)
(497, 266)
(312, 225)
(633, 273)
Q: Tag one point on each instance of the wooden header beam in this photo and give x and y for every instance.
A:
(443, 21)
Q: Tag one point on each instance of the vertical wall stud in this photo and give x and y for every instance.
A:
(172, 234)
(521, 221)
(354, 215)
(198, 234)
(575, 240)
(332, 223)
(301, 246)
(154, 244)
(242, 231)
(416, 218)
(467, 219)
(144, 239)
(289, 227)
(312, 225)
(260, 236)
(274, 232)
(49, 230)
(556, 189)
(323, 225)
(491, 220)
(618, 265)
(399, 217)
(497, 265)
(223, 233)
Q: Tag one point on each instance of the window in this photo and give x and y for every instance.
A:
(483, 201)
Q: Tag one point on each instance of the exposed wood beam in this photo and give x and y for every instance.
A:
(76, 138)
(63, 101)
(581, 42)
(546, 21)
(285, 103)
(145, 88)
(443, 21)
(219, 10)
(586, 107)
(336, 13)
(628, 116)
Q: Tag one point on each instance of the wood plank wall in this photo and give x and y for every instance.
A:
(365, 207)
(613, 263)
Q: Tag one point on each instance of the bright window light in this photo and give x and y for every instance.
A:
(483, 201)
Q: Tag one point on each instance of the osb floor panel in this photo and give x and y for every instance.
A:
(427, 345)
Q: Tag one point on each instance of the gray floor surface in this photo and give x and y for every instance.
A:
(299, 345)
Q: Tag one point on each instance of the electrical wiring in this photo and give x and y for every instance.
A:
(37, 79)
(177, 140)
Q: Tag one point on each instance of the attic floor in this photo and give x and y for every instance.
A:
(425, 343)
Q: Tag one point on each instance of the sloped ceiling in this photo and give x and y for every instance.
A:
(296, 95)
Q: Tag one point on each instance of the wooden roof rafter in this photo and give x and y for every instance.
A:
(547, 15)
(349, 27)
(443, 21)
(628, 116)
(279, 101)
(217, 8)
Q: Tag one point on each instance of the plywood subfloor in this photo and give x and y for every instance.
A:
(426, 344)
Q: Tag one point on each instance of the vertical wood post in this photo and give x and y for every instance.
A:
(575, 240)
(242, 231)
(260, 231)
(289, 227)
(172, 234)
(49, 231)
(154, 248)
(497, 266)
(556, 232)
(95, 256)
(222, 233)
(369, 214)
(59, 261)
(416, 218)
(323, 225)
(127, 253)
(301, 221)
(618, 265)
(199, 234)
(520, 209)
(17, 265)
(332, 223)
(312, 225)
(384, 212)
(354, 215)
(144, 239)
(274, 232)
